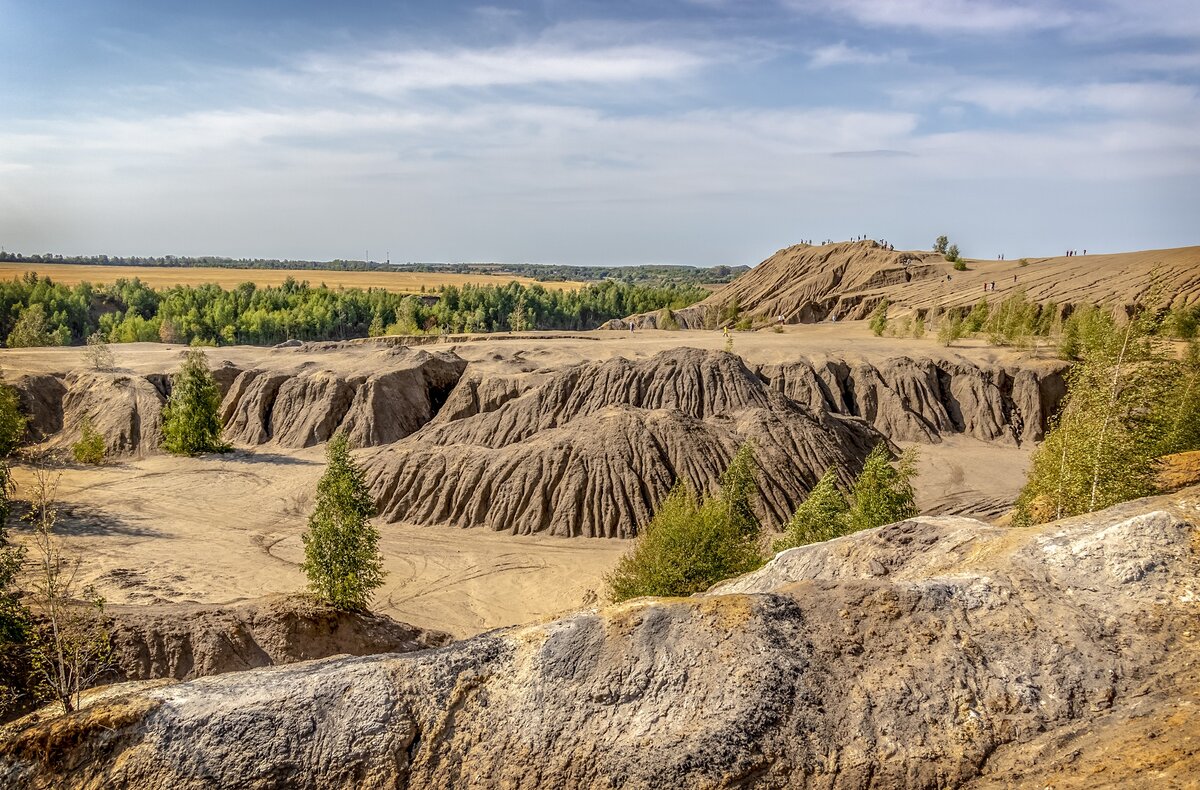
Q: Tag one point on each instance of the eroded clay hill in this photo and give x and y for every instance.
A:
(596, 447)
(593, 449)
(375, 398)
(845, 281)
(933, 653)
(923, 399)
(570, 448)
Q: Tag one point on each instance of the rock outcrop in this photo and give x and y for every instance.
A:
(594, 449)
(917, 655)
(186, 641)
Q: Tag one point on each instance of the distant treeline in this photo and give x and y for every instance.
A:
(37, 311)
(546, 272)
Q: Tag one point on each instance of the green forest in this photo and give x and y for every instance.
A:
(36, 311)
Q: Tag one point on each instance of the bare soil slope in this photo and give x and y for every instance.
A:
(846, 280)
(594, 449)
(926, 654)
(185, 641)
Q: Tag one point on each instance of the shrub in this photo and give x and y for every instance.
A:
(1012, 322)
(1101, 448)
(12, 422)
(1043, 325)
(15, 626)
(98, 354)
(977, 318)
(32, 329)
(666, 319)
(1087, 328)
(738, 489)
(167, 331)
(686, 548)
(69, 647)
(1181, 406)
(883, 493)
(519, 319)
(1023, 262)
(950, 329)
(879, 319)
(14, 616)
(691, 544)
(960, 266)
(1182, 322)
(729, 312)
(191, 423)
(341, 547)
(822, 516)
(90, 448)
(952, 253)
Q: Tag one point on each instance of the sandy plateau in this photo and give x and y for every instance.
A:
(155, 528)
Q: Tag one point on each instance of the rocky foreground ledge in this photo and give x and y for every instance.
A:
(938, 652)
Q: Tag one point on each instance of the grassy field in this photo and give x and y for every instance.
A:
(165, 277)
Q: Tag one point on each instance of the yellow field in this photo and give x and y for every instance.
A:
(165, 276)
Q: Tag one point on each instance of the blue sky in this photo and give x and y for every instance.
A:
(686, 131)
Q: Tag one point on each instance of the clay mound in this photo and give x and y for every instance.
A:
(386, 397)
(185, 641)
(477, 393)
(125, 409)
(301, 408)
(922, 400)
(805, 284)
(594, 450)
(40, 397)
(845, 281)
(917, 655)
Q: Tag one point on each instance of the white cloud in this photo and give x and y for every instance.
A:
(1161, 100)
(394, 73)
(971, 16)
(1100, 19)
(840, 54)
(1158, 61)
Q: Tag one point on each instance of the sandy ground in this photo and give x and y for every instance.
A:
(166, 276)
(216, 529)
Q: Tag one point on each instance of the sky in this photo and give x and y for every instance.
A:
(698, 132)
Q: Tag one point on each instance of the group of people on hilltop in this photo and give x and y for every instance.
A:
(883, 244)
(1073, 253)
